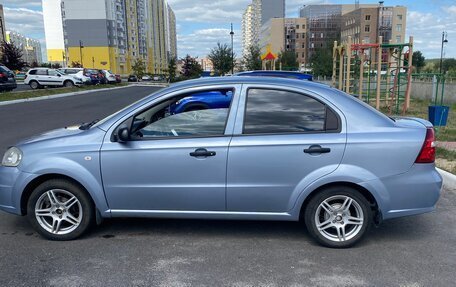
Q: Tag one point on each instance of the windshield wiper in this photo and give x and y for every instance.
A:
(86, 126)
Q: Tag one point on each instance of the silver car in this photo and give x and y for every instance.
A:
(275, 149)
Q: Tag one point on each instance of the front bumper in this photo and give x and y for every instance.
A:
(12, 184)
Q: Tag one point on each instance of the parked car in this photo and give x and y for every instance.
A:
(132, 78)
(102, 77)
(283, 150)
(93, 74)
(7, 79)
(279, 74)
(146, 78)
(88, 77)
(20, 75)
(110, 77)
(118, 79)
(40, 77)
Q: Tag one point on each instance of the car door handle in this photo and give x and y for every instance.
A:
(202, 152)
(317, 149)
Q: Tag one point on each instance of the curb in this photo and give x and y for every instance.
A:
(4, 103)
(449, 179)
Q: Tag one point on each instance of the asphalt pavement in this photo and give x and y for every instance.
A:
(413, 251)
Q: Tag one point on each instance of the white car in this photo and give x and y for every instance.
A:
(39, 77)
(78, 73)
(110, 77)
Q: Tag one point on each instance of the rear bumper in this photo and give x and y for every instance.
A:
(6, 86)
(414, 192)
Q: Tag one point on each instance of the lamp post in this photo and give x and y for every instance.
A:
(232, 49)
(80, 52)
(444, 40)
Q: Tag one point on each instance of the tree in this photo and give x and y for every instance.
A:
(75, 65)
(172, 70)
(252, 60)
(448, 64)
(321, 62)
(418, 61)
(34, 64)
(288, 61)
(222, 59)
(191, 68)
(139, 68)
(56, 66)
(12, 56)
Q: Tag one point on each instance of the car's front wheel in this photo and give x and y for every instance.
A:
(60, 210)
(338, 217)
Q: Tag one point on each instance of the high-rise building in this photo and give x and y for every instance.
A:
(2, 25)
(30, 48)
(285, 34)
(53, 28)
(367, 24)
(111, 34)
(255, 16)
(324, 23)
(172, 34)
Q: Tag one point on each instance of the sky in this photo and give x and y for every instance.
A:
(203, 23)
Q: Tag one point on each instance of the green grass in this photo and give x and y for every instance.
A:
(9, 96)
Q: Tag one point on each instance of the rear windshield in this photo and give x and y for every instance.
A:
(4, 69)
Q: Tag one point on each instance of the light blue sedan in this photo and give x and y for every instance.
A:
(282, 150)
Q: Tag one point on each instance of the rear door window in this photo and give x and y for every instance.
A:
(278, 112)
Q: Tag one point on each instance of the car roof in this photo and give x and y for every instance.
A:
(354, 108)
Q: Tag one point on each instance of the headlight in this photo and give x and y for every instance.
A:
(12, 157)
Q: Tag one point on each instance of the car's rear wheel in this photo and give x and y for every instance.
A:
(68, 84)
(338, 217)
(34, 85)
(60, 210)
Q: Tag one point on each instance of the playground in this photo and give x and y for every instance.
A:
(381, 74)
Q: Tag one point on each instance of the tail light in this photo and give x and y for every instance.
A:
(3, 75)
(427, 153)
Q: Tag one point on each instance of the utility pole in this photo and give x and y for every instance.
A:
(232, 49)
(80, 52)
(444, 41)
(93, 62)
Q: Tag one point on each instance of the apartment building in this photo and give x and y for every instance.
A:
(367, 24)
(257, 14)
(285, 34)
(110, 34)
(30, 48)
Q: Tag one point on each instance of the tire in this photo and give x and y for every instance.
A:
(66, 213)
(34, 85)
(68, 84)
(339, 226)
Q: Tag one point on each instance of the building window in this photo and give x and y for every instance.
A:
(303, 55)
(321, 35)
(399, 17)
(297, 26)
(367, 28)
(398, 39)
(312, 45)
(399, 28)
(303, 46)
(368, 17)
(313, 35)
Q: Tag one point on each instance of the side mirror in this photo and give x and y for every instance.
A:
(123, 134)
